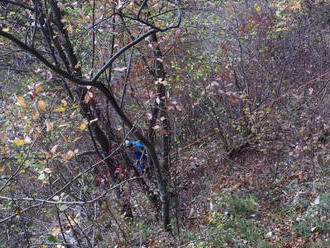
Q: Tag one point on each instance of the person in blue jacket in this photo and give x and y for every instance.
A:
(139, 153)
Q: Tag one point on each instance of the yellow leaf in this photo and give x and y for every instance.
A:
(21, 101)
(38, 89)
(76, 139)
(296, 5)
(83, 126)
(43, 246)
(61, 109)
(5, 29)
(54, 156)
(236, 186)
(2, 169)
(19, 142)
(64, 125)
(70, 29)
(48, 155)
(64, 103)
(42, 105)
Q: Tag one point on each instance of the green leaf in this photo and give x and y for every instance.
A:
(56, 198)
(52, 239)
(268, 109)
(37, 165)
(62, 207)
(42, 176)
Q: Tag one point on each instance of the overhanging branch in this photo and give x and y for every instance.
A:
(38, 55)
(120, 52)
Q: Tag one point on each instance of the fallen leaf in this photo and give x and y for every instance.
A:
(35, 115)
(56, 231)
(53, 150)
(60, 109)
(42, 105)
(27, 140)
(21, 101)
(64, 103)
(76, 139)
(48, 170)
(69, 155)
(120, 69)
(49, 126)
(38, 89)
(70, 29)
(83, 126)
(19, 142)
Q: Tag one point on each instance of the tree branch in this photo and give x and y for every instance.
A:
(19, 4)
(120, 52)
(35, 53)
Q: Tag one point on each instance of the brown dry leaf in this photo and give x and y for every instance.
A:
(68, 155)
(234, 99)
(49, 126)
(4, 136)
(163, 131)
(54, 148)
(22, 114)
(35, 115)
(18, 210)
(87, 98)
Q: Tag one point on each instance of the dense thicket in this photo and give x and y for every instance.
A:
(79, 78)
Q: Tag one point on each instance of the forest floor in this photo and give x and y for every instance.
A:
(249, 199)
